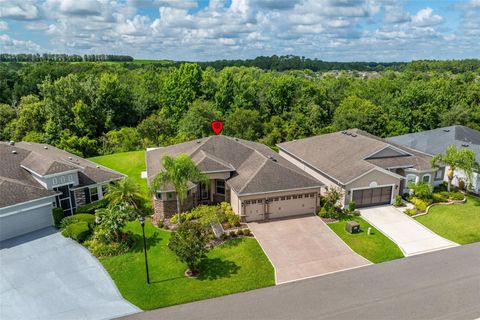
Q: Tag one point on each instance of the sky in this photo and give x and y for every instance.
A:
(331, 30)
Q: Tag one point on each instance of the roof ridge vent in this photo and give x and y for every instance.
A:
(272, 158)
(344, 132)
(446, 130)
(466, 145)
(45, 147)
(354, 135)
(14, 151)
(198, 141)
(11, 143)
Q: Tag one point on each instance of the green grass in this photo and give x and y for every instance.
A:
(459, 223)
(237, 265)
(375, 247)
(130, 163)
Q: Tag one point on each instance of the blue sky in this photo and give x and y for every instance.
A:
(334, 30)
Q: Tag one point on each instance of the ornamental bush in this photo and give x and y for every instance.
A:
(398, 201)
(58, 216)
(457, 196)
(440, 197)
(420, 204)
(410, 212)
(91, 207)
(78, 231)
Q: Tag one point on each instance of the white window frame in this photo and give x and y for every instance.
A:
(97, 193)
(429, 178)
(408, 178)
(216, 187)
(439, 174)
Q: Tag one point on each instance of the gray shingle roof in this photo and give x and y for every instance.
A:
(257, 168)
(344, 157)
(437, 140)
(44, 160)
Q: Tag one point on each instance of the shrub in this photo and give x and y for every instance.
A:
(224, 236)
(239, 232)
(58, 215)
(232, 218)
(441, 187)
(101, 249)
(232, 234)
(421, 190)
(92, 207)
(410, 212)
(112, 220)
(227, 225)
(456, 196)
(189, 243)
(78, 231)
(160, 223)
(440, 197)
(352, 206)
(420, 204)
(398, 201)
(247, 232)
(81, 217)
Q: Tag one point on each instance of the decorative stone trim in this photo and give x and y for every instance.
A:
(440, 203)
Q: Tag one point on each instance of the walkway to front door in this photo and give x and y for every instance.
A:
(304, 247)
(411, 236)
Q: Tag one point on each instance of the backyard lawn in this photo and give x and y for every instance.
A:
(375, 247)
(237, 265)
(459, 223)
(130, 163)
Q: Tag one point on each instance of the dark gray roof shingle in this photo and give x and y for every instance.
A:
(257, 168)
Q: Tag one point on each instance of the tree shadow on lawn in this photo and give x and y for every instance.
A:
(231, 243)
(152, 241)
(216, 268)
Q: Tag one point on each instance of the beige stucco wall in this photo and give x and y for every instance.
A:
(375, 178)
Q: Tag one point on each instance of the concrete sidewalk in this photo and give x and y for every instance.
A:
(411, 236)
(44, 275)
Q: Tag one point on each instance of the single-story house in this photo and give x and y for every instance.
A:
(34, 178)
(255, 180)
(436, 141)
(370, 170)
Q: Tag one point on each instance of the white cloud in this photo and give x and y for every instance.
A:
(426, 18)
(3, 25)
(17, 46)
(19, 10)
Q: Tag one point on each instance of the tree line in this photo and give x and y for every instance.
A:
(101, 108)
(56, 57)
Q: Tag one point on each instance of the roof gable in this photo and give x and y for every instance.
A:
(388, 152)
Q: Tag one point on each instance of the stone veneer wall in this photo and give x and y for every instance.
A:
(80, 197)
(165, 209)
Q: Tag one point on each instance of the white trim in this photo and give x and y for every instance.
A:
(413, 170)
(95, 184)
(429, 178)
(29, 201)
(373, 169)
(406, 179)
(52, 174)
(26, 209)
(403, 152)
(273, 191)
(218, 171)
(378, 186)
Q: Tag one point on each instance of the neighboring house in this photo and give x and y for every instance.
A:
(34, 178)
(370, 170)
(255, 180)
(436, 141)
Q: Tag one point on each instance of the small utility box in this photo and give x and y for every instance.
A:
(352, 227)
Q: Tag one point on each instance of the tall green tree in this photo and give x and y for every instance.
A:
(196, 122)
(457, 159)
(245, 124)
(126, 192)
(177, 172)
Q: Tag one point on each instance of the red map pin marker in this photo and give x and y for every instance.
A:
(217, 126)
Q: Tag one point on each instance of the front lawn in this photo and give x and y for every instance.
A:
(459, 223)
(375, 247)
(130, 163)
(237, 265)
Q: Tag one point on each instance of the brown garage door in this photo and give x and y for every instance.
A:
(372, 196)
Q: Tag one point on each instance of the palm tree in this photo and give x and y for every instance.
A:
(463, 159)
(125, 192)
(178, 172)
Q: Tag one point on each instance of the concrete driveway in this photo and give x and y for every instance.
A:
(304, 247)
(411, 236)
(46, 276)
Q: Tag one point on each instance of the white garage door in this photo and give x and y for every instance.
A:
(293, 205)
(25, 221)
(254, 210)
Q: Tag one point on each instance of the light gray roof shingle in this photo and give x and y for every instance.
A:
(437, 140)
(344, 157)
(257, 168)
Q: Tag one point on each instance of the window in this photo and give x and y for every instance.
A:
(411, 178)
(254, 201)
(54, 181)
(282, 198)
(104, 189)
(289, 197)
(93, 194)
(439, 174)
(247, 202)
(220, 187)
(169, 195)
(426, 178)
(294, 197)
(62, 179)
(70, 178)
(300, 196)
(159, 195)
(275, 199)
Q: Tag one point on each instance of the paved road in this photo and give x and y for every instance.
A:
(438, 285)
(44, 275)
(410, 235)
(304, 247)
